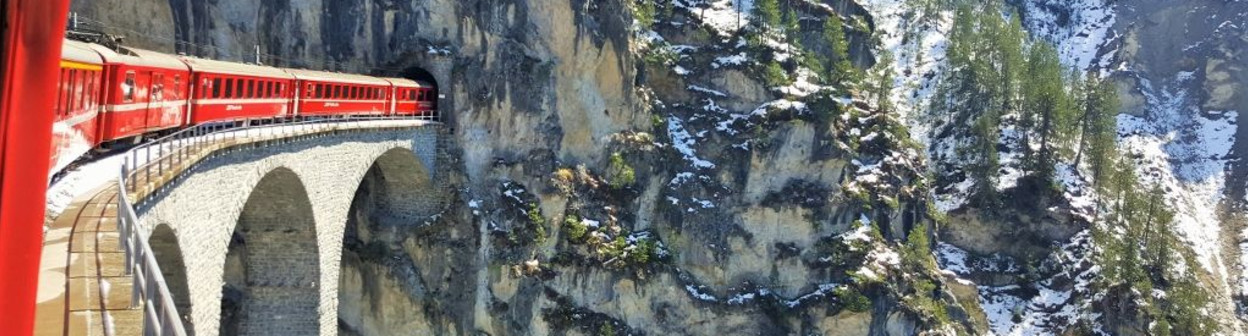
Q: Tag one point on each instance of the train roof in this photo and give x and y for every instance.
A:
(230, 68)
(404, 82)
(322, 76)
(129, 56)
(80, 52)
(150, 58)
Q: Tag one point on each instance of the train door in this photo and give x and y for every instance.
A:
(142, 90)
(389, 96)
(296, 96)
(155, 101)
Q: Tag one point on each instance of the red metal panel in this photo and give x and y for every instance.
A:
(235, 101)
(28, 80)
(237, 109)
(320, 107)
(124, 118)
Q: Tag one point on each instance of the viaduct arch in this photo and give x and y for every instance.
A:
(260, 230)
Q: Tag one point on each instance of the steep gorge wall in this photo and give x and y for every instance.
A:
(532, 87)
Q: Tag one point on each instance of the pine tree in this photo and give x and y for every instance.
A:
(767, 12)
(1099, 126)
(880, 83)
(644, 13)
(839, 67)
(1013, 68)
(1047, 103)
(793, 31)
(970, 95)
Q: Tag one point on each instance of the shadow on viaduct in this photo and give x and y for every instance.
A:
(250, 240)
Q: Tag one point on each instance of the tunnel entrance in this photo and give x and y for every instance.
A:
(272, 267)
(421, 75)
(168, 254)
(372, 300)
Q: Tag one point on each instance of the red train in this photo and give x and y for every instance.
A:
(110, 95)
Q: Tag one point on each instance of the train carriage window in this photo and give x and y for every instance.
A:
(320, 90)
(92, 81)
(67, 87)
(86, 90)
(280, 86)
(157, 88)
(337, 92)
(83, 89)
(229, 88)
(268, 89)
(74, 96)
(127, 87)
(80, 92)
(60, 92)
(239, 85)
(355, 92)
(251, 89)
(216, 87)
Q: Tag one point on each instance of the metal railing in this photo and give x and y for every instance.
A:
(164, 155)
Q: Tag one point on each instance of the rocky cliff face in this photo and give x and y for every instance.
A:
(614, 179)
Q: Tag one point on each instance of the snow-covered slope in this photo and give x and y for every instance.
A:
(1178, 144)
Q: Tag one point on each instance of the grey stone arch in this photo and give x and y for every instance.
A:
(396, 194)
(168, 251)
(273, 262)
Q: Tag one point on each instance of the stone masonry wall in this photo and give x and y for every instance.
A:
(204, 206)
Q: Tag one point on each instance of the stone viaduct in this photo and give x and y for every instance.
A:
(250, 239)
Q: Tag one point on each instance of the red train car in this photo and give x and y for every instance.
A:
(231, 91)
(145, 92)
(328, 93)
(411, 97)
(74, 129)
(426, 99)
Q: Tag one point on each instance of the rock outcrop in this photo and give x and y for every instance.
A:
(614, 179)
